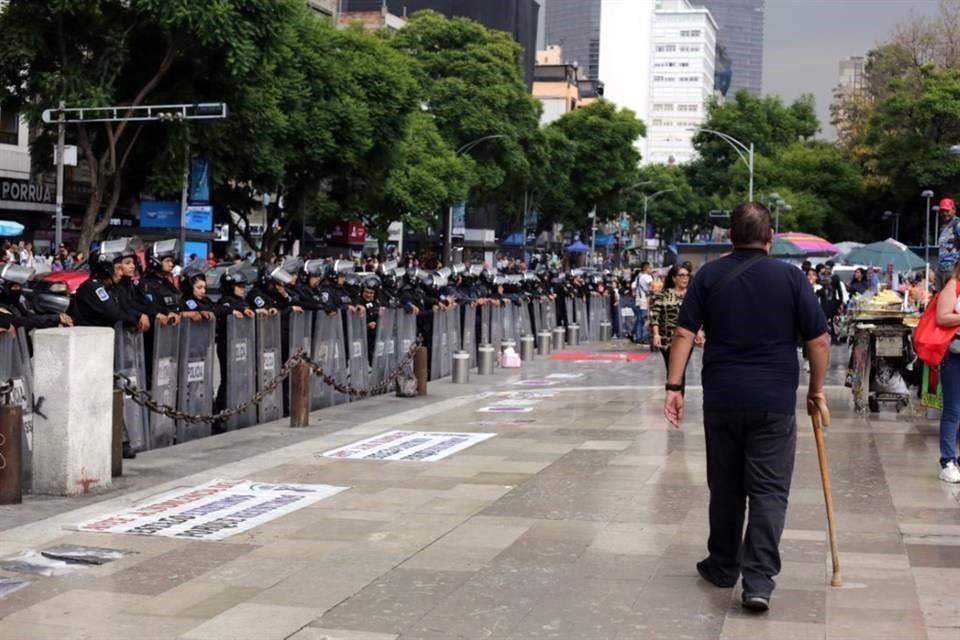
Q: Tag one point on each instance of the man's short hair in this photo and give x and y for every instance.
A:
(750, 224)
(644, 265)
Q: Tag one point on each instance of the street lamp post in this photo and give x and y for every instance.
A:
(646, 203)
(146, 113)
(448, 235)
(895, 216)
(928, 196)
(743, 150)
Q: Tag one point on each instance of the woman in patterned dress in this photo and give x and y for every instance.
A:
(666, 311)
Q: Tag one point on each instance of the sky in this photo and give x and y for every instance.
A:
(806, 39)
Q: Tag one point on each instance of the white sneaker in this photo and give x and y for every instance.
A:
(950, 473)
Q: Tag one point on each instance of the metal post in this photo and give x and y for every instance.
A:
(928, 195)
(11, 454)
(448, 239)
(61, 141)
(420, 364)
(643, 231)
(116, 449)
(300, 396)
(593, 232)
(750, 195)
(183, 204)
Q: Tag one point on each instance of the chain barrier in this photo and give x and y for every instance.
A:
(6, 391)
(144, 398)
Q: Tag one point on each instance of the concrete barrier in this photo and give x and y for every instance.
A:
(73, 371)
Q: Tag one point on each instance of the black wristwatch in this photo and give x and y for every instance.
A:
(674, 387)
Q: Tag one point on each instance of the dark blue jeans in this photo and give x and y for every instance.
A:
(640, 325)
(950, 416)
(749, 458)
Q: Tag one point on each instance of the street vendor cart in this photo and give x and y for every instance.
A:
(882, 359)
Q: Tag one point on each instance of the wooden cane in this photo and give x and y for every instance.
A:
(821, 419)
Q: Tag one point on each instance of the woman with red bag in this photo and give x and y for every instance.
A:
(948, 316)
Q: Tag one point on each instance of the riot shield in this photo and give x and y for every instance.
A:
(195, 388)
(550, 315)
(453, 330)
(240, 382)
(583, 319)
(469, 331)
(128, 360)
(508, 323)
(496, 325)
(15, 366)
(269, 363)
(595, 312)
(358, 365)
(324, 339)
(340, 357)
(536, 317)
(524, 327)
(406, 334)
(299, 338)
(384, 358)
(164, 373)
(486, 315)
(438, 341)
(569, 306)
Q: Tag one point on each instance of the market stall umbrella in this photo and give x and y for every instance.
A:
(887, 252)
(843, 248)
(9, 228)
(578, 247)
(801, 244)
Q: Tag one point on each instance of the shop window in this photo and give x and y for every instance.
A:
(9, 126)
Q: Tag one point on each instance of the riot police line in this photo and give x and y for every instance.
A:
(216, 359)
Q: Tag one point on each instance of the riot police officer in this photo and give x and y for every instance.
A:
(159, 282)
(95, 304)
(13, 312)
(193, 286)
(371, 305)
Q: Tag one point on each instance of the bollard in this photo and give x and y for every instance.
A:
(605, 330)
(558, 336)
(507, 343)
(573, 334)
(461, 367)
(116, 444)
(543, 343)
(420, 369)
(526, 348)
(11, 454)
(300, 396)
(485, 360)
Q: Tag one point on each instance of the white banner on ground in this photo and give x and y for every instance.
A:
(212, 511)
(413, 446)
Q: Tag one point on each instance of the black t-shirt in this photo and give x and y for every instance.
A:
(752, 327)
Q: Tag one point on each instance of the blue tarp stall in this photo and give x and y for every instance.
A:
(604, 240)
(578, 247)
(515, 239)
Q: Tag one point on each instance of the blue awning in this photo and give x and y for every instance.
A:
(515, 239)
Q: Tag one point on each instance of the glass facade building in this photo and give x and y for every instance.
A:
(574, 25)
(519, 18)
(741, 36)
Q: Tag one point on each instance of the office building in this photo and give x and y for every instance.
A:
(850, 97)
(740, 24)
(560, 86)
(682, 84)
(519, 18)
(574, 26)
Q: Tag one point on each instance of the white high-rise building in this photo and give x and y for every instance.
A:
(684, 56)
(626, 56)
(657, 58)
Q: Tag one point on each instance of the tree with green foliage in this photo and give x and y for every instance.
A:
(676, 208)
(595, 160)
(766, 122)
(138, 52)
(473, 87)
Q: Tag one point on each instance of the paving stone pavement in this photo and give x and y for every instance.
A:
(581, 519)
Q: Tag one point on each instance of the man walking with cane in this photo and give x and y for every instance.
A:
(753, 310)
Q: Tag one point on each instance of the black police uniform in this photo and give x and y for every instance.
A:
(162, 292)
(95, 305)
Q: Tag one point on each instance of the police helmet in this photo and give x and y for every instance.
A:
(439, 279)
(12, 279)
(158, 251)
(275, 275)
(239, 275)
(388, 267)
(293, 265)
(110, 253)
(188, 276)
(370, 281)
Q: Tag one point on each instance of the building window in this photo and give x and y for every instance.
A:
(690, 48)
(662, 106)
(666, 48)
(690, 108)
(9, 126)
(695, 33)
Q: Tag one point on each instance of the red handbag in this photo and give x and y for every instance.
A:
(930, 340)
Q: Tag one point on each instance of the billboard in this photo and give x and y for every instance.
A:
(159, 214)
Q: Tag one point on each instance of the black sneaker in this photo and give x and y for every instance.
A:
(706, 570)
(756, 602)
(128, 452)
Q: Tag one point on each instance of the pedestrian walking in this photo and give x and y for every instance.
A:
(948, 315)
(641, 302)
(752, 309)
(948, 244)
(666, 315)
